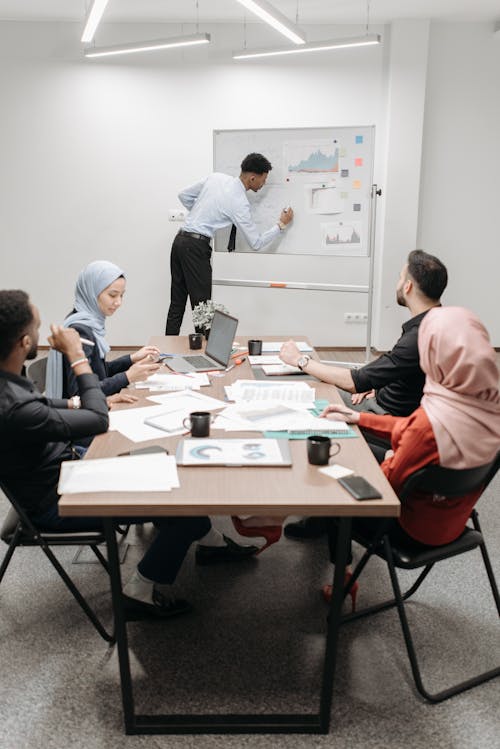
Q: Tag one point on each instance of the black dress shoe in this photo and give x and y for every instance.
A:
(162, 607)
(231, 552)
(306, 528)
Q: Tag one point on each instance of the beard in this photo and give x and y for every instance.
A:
(400, 298)
(32, 353)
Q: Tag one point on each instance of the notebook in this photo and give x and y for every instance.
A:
(218, 349)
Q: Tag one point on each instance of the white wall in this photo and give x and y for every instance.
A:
(93, 153)
(460, 193)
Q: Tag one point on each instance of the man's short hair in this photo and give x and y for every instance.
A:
(16, 315)
(256, 163)
(428, 272)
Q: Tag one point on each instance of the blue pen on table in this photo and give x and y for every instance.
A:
(166, 356)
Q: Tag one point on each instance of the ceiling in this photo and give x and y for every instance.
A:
(226, 11)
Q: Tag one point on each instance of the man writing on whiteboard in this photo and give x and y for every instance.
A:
(392, 384)
(215, 203)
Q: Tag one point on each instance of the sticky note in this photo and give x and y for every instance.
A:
(342, 152)
(356, 183)
(344, 195)
(344, 172)
(336, 471)
(359, 138)
(358, 161)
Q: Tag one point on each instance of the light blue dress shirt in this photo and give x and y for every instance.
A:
(219, 201)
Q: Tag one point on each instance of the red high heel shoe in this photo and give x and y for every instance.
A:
(272, 533)
(327, 591)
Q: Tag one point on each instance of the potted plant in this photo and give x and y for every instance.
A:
(203, 314)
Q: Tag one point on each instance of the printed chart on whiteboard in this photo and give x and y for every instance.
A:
(324, 174)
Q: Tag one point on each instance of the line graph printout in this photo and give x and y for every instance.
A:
(342, 238)
(306, 157)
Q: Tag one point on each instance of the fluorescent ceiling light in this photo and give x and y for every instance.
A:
(360, 41)
(274, 18)
(148, 46)
(93, 19)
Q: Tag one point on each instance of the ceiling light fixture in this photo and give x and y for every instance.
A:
(148, 46)
(359, 41)
(93, 19)
(268, 13)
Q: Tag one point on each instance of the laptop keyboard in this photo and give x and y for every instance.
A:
(199, 361)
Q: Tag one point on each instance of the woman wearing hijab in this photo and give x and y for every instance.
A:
(456, 426)
(99, 294)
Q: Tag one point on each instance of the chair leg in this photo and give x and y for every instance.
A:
(486, 561)
(76, 593)
(100, 557)
(8, 554)
(445, 693)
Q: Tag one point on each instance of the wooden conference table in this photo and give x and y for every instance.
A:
(296, 490)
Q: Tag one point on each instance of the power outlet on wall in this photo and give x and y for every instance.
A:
(359, 317)
(176, 214)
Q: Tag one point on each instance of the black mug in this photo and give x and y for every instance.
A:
(319, 449)
(195, 340)
(255, 347)
(198, 423)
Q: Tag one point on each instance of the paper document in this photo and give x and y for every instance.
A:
(258, 361)
(281, 369)
(153, 472)
(177, 407)
(174, 381)
(269, 346)
(336, 471)
(130, 423)
(261, 390)
(233, 452)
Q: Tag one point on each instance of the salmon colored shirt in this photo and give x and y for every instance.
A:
(429, 519)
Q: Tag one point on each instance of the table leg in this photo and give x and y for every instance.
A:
(120, 625)
(342, 528)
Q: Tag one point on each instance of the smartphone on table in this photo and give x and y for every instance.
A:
(359, 487)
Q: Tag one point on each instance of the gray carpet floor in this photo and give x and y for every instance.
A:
(254, 642)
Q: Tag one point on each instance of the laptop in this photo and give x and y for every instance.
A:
(217, 352)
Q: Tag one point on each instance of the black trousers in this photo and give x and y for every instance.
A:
(191, 272)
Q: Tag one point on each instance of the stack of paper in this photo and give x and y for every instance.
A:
(155, 472)
(273, 417)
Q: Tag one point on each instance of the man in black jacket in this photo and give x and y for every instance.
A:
(36, 436)
(393, 383)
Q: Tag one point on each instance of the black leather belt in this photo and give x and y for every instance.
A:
(194, 235)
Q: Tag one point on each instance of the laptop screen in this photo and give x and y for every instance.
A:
(221, 337)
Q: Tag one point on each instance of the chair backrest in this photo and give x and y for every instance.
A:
(37, 372)
(450, 482)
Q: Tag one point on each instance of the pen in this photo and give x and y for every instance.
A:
(166, 356)
(87, 342)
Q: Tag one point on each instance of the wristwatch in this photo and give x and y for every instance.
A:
(76, 402)
(303, 361)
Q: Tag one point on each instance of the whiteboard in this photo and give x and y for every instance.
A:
(324, 174)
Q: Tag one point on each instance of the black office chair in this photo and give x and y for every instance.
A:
(447, 483)
(37, 373)
(18, 530)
